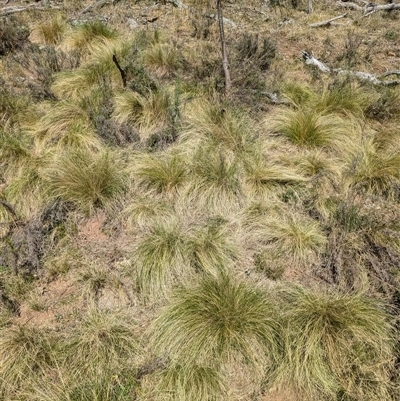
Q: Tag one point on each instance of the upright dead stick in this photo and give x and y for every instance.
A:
(225, 63)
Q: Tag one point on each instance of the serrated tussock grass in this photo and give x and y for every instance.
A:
(297, 94)
(375, 171)
(190, 383)
(163, 59)
(49, 32)
(343, 99)
(337, 345)
(307, 128)
(220, 124)
(212, 248)
(87, 33)
(87, 180)
(143, 211)
(214, 179)
(263, 175)
(96, 70)
(216, 321)
(101, 344)
(161, 257)
(148, 113)
(66, 125)
(24, 352)
(160, 173)
(300, 237)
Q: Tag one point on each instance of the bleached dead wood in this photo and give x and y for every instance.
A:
(327, 22)
(94, 5)
(273, 98)
(13, 10)
(177, 3)
(369, 7)
(309, 59)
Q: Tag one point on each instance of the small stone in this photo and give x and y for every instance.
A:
(132, 23)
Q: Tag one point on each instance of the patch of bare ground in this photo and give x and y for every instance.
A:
(51, 305)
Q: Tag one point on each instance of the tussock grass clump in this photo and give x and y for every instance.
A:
(67, 124)
(300, 238)
(190, 383)
(162, 58)
(148, 113)
(144, 211)
(337, 345)
(375, 171)
(12, 107)
(14, 149)
(24, 352)
(216, 321)
(212, 248)
(161, 174)
(161, 258)
(49, 32)
(215, 179)
(263, 175)
(102, 344)
(85, 179)
(219, 124)
(297, 94)
(88, 33)
(343, 99)
(307, 128)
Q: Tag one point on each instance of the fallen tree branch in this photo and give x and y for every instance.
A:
(177, 3)
(327, 22)
(388, 73)
(273, 98)
(309, 59)
(8, 207)
(369, 7)
(12, 10)
(96, 4)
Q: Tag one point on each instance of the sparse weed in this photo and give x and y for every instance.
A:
(13, 34)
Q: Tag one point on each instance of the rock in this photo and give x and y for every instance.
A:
(133, 24)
